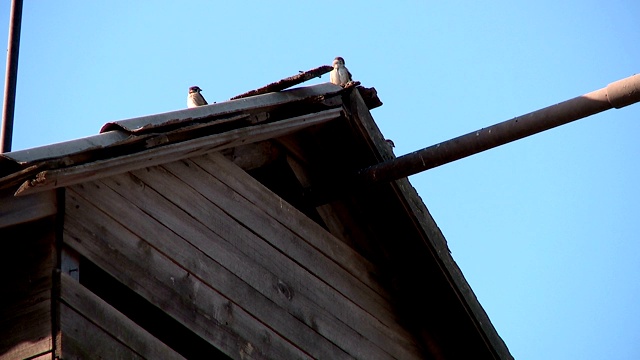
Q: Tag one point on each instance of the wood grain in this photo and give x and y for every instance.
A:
(252, 260)
(82, 339)
(23, 209)
(329, 284)
(161, 281)
(27, 261)
(110, 321)
(201, 252)
(288, 216)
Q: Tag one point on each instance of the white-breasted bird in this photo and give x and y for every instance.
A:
(194, 98)
(339, 75)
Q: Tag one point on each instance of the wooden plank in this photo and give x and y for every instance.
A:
(68, 176)
(244, 255)
(335, 283)
(252, 156)
(331, 218)
(45, 356)
(265, 223)
(306, 229)
(30, 335)
(336, 215)
(26, 267)
(82, 339)
(19, 210)
(194, 255)
(112, 322)
(168, 286)
(418, 212)
(13, 180)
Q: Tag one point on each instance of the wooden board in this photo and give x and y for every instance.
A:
(161, 281)
(318, 274)
(82, 339)
(27, 260)
(19, 210)
(249, 258)
(278, 213)
(243, 220)
(45, 356)
(264, 221)
(51, 179)
(108, 322)
(256, 195)
(252, 156)
(333, 215)
(202, 254)
(27, 333)
(246, 268)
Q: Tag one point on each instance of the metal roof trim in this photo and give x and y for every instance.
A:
(117, 131)
(175, 118)
(66, 148)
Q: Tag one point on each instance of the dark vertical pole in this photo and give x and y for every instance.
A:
(11, 78)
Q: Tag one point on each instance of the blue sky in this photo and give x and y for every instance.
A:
(545, 229)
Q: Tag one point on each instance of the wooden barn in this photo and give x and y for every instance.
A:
(229, 231)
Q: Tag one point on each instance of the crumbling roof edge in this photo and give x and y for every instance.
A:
(117, 131)
(154, 122)
(287, 82)
(45, 152)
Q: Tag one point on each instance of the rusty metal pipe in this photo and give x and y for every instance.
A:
(617, 94)
(8, 107)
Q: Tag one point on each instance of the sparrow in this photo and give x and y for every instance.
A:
(194, 98)
(339, 75)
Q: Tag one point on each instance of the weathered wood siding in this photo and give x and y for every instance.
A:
(224, 256)
(27, 262)
(92, 329)
(19, 210)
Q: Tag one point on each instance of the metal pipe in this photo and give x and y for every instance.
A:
(15, 24)
(617, 94)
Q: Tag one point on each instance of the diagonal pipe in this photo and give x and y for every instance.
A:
(616, 95)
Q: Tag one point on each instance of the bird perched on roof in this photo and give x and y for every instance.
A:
(339, 75)
(194, 98)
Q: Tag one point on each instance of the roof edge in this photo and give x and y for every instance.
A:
(179, 117)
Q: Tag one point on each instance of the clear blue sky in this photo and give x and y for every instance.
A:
(546, 229)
